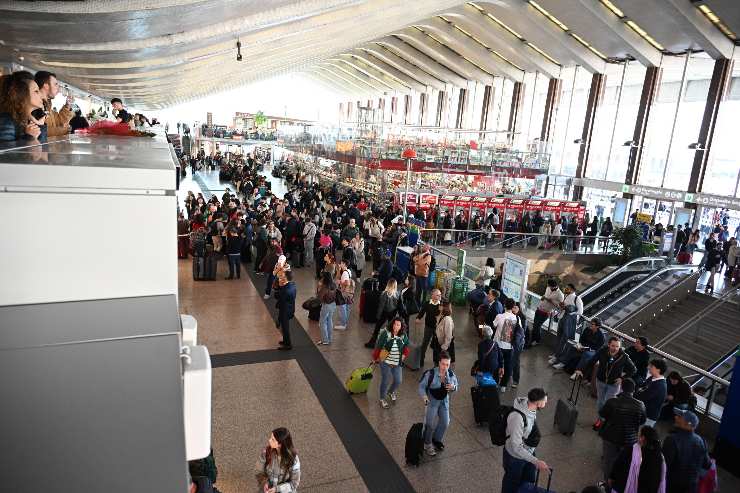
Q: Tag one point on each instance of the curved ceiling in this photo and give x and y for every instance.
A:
(157, 53)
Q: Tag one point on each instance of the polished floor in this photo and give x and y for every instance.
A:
(349, 443)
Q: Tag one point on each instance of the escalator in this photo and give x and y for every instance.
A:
(619, 282)
(613, 312)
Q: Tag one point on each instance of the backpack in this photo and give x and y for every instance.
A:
(498, 423)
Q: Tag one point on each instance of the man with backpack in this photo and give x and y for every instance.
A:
(516, 428)
(435, 387)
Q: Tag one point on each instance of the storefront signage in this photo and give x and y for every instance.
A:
(428, 200)
(713, 200)
(411, 198)
(652, 192)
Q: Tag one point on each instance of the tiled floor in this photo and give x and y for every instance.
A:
(251, 399)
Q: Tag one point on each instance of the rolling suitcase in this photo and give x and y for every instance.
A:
(198, 265)
(210, 268)
(485, 402)
(528, 487)
(359, 380)
(566, 412)
(370, 313)
(414, 448)
(413, 360)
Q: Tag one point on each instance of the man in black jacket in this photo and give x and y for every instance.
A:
(429, 312)
(622, 415)
(286, 309)
(685, 454)
(614, 365)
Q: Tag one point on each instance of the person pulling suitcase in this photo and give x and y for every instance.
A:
(435, 387)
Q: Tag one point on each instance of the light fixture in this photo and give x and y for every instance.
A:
(238, 51)
(630, 143)
(697, 146)
(714, 19)
(578, 141)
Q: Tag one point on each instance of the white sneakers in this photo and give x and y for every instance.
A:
(502, 389)
(267, 296)
(394, 396)
(559, 366)
(430, 450)
(384, 404)
(514, 385)
(340, 327)
(573, 376)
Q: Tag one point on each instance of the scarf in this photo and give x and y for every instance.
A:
(634, 474)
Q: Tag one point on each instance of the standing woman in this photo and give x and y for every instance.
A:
(712, 265)
(327, 294)
(517, 343)
(391, 349)
(278, 468)
(330, 266)
(390, 300)
(19, 97)
(640, 468)
(444, 339)
(358, 245)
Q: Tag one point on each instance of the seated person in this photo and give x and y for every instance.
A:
(580, 354)
(678, 396)
(476, 297)
(566, 332)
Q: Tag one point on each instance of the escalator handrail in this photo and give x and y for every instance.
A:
(644, 282)
(718, 364)
(698, 316)
(623, 268)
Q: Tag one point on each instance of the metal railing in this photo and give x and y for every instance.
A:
(693, 321)
(490, 240)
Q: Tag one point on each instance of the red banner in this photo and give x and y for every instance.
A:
(428, 200)
(447, 201)
(464, 201)
(534, 205)
(516, 204)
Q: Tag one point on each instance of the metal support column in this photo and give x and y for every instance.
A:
(461, 103)
(551, 109)
(486, 107)
(440, 109)
(595, 95)
(516, 106)
(649, 91)
(717, 88)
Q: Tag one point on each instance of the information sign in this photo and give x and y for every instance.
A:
(515, 277)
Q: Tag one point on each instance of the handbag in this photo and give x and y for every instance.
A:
(339, 298)
(311, 303)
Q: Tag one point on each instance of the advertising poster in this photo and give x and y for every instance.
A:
(515, 276)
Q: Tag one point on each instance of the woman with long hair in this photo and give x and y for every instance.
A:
(391, 349)
(278, 468)
(19, 97)
(641, 467)
(327, 294)
(443, 338)
(387, 309)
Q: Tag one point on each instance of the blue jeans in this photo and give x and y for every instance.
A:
(386, 373)
(436, 409)
(516, 472)
(235, 267)
(326, 323)
(605, 392)
(422, 285)
(344, 314)
(270, 280)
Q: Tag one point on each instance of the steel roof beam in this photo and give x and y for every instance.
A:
(444, 54)
(496, 37)
(350, 79)
(410, 54)
(638, 47)
(371, 72)
(470, 49)
(550, 33)
(699, 28)
(378, 54)
(418, 83)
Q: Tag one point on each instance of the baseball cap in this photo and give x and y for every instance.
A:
(688, 416)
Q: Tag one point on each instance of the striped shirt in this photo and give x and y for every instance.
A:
(394, 355)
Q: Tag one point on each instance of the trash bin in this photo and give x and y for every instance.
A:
(459, 291)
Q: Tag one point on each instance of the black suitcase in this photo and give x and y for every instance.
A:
(414, 448)
(210, 268)
(485, 402)
(314, 313)
(198, 266)
(370, 307)
(566, 412)
(371, 284)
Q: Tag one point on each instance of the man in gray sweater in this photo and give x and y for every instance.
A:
(520, 463)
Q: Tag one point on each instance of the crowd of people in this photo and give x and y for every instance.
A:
(349, 240)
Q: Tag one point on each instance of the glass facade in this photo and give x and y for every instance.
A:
(675, 118)
(723, 164)
(571, 112)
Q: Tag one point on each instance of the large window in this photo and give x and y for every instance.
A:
(504, 110)
(675, 118)
(529, 122)
(571, 112)
(723, 166)
(615, 121)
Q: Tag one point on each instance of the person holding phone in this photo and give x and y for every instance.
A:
(19, 98)
(278, 468)
(435, 387)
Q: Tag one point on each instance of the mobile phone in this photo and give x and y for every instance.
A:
(38, 113)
